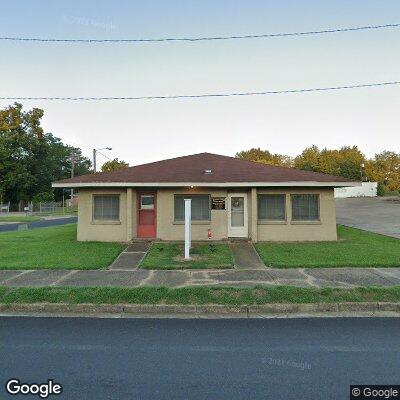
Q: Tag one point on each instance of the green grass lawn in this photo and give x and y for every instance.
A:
(197, 295)
(170, 256)
(20, 218)
(54, 248)
(355, 248)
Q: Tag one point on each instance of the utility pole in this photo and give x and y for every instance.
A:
(72, 158)
(94, 160)
(95, 154)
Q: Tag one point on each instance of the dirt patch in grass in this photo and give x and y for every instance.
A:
(203, 256)
(193, 257)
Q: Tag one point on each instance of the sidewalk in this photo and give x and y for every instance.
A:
(301, 277)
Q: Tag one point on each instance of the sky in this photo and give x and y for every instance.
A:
(145, 131)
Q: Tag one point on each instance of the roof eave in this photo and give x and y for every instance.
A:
(204, 184)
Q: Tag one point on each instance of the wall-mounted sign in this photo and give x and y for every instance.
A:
(218, 203)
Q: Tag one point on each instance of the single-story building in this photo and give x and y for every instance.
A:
(231, 198)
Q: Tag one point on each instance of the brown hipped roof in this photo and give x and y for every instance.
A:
(192, 169)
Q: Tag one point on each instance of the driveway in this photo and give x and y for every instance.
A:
(376, 214)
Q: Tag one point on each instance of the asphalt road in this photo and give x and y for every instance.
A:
(200, 359)
(39, 224)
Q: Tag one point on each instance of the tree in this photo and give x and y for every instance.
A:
(346, 162)
(350, 162)
(385, 169)
(19, 132)
(265, 157)
(309, 159)
(30, 160)
(113, 165)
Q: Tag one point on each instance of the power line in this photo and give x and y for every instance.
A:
(200, 96)
(74, 144)
(204, 38)
(104, 155)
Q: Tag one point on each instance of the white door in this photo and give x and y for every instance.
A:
(237, 215)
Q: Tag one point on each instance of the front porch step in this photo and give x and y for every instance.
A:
(138, 246)
(239, 240)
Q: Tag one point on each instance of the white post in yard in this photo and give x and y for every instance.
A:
(188, 227)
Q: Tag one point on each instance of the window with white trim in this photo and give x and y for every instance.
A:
(201, 205)
(271, 207)
(106, 207)
(305, 207)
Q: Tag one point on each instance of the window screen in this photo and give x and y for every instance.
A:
(305, 207)
(271, 207)
(106, 207)
(200, 207)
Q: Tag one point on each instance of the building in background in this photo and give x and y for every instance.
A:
(366, 189)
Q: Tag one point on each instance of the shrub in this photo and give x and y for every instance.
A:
(43, 197)
(381, 189)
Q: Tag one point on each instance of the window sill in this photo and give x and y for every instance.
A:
(105, 222)
(193, 223)
(305, 222)
(271, 222)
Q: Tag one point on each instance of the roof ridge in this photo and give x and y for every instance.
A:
(190, 167)
(149, 163)
(169, 159)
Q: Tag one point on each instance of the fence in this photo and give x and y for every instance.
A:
(49, 207)
(43, 208)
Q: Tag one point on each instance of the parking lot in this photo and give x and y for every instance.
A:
(376, 214)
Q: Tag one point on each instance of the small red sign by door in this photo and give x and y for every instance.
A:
(146, 215)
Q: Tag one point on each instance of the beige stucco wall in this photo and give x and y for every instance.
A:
(323, 230)
(168, 229)
(89, 230)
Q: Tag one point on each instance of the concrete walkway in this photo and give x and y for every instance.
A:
(131, 257)
(309, 277)
(245, 256)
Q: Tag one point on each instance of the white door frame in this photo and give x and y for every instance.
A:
(238, 231)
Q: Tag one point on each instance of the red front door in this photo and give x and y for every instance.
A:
(146, 214)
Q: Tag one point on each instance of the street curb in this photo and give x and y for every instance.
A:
(209, 310)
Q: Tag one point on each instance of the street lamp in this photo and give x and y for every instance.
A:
(362, 168)
(94, 155)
